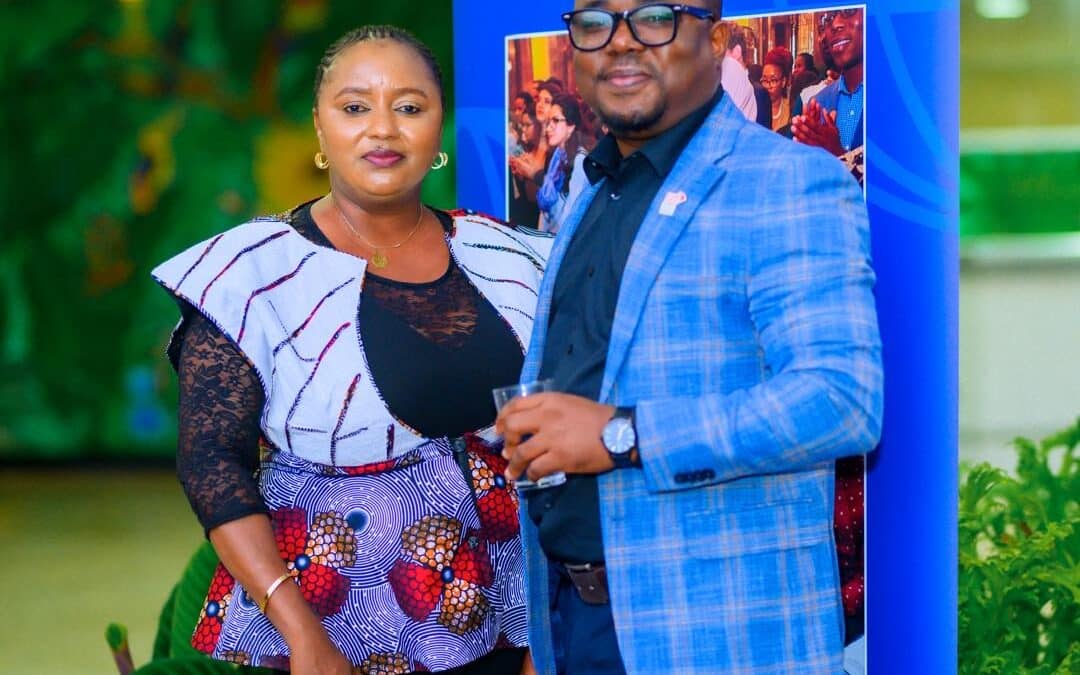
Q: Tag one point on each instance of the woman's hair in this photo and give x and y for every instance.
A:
(802, 81)
(527, 97)
(807, 59)
(530, 114)
(782, 59)
(551, 88)
(371, 33)
(571, 110)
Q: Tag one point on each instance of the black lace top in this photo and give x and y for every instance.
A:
(435, 350)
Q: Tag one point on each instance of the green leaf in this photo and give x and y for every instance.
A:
(163, 638)
(188, 597)
(188, 665)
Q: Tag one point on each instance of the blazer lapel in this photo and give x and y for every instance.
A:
(565, 235)
(694, 176)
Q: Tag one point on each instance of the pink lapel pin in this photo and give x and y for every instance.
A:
(671, 202)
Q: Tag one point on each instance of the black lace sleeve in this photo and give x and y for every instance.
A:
(221, 400)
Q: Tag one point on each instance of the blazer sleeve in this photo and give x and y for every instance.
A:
(810, 301)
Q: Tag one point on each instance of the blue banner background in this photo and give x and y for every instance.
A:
(911, 66)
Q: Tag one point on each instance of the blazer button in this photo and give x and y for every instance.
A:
(681, 477)
(708, 474)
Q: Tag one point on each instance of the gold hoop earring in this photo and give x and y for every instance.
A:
(441, 160)
(321, 161)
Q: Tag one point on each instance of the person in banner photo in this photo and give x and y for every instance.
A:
(711, 339)
(354, 342)
(833, 118)
(735, 78)
(565, 177)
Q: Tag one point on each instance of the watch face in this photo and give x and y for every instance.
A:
(618, 436)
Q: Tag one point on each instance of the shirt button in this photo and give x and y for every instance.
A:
(547, 506)
(570, 349)
(615, 196)
(851, 113)
(592, 270)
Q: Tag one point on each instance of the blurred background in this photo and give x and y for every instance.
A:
(133, 128)
(1019, 222)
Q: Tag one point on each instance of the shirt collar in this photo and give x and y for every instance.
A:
(844, 89)
(661, 151)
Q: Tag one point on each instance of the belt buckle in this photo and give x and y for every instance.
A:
(590, 582)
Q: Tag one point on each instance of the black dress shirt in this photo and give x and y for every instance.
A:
(583, 309)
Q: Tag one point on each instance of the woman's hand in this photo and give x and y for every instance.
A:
(525, 166)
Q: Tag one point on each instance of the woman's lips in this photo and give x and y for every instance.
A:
(384, 158)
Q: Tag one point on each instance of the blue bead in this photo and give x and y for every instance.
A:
(302, 562)
(212, 608)
(357, 519)
(447, 575)
(500, 482)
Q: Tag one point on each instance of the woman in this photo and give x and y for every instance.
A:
(523, 209)
(774, 77)
(531, 166)
(775, 83)
(356, 341)
(565, 177)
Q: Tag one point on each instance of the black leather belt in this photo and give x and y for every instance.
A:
(589, 580)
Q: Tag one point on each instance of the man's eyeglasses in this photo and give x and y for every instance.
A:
(828, 17)
(651, 25)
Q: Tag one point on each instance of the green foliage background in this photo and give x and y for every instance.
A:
(133, 129)
(1019, 543)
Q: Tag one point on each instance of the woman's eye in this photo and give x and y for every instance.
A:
(409, 108)
(354, 108)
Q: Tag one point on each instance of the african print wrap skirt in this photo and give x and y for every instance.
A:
(410, 567)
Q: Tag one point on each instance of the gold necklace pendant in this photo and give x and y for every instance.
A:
(378, 260)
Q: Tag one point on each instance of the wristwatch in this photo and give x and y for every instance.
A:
(620, 438)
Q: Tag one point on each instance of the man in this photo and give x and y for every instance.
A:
(833, 118)
(735, 78)
(708, 320)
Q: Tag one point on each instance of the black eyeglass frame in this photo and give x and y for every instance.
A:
(828, 17)
(616, 17)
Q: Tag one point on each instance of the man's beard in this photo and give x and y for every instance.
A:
(622, 124)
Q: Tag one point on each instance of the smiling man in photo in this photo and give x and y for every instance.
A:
(833, 119)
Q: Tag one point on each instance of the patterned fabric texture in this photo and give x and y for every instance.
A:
(409, 567)
(746, 337)
(291, 307)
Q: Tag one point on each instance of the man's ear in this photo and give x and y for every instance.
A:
(718, 38)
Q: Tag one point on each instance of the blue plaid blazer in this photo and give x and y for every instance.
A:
(746, 336)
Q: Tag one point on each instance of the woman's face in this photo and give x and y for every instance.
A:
(543, 105)
(773, 80)
(379, 120)
(530, 132)
(517, 110)
(557, 128)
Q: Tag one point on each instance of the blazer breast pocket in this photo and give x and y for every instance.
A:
(764, 528)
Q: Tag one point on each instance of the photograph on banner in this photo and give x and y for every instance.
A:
(798, 74)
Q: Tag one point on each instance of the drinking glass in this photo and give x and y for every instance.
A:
(504, 395)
